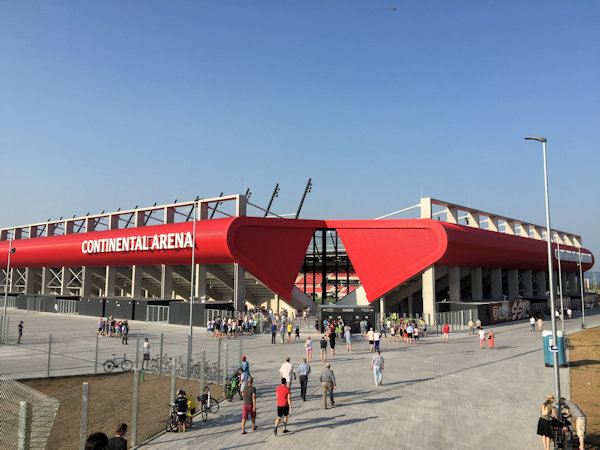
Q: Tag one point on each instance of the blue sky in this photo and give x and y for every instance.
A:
(113, 104)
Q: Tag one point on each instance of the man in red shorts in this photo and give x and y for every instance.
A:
(284, 405)
(249, 405)
(446, 331)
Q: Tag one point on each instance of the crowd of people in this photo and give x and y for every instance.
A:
(110, 327)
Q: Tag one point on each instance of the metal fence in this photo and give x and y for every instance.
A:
(68, 307)
(11, 302)
(26, 416)
(157, 313)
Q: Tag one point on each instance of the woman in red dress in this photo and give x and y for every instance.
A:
(491, 340)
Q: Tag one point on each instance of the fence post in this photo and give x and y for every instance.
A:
(202, 362)
(96, 358)
(160, 360)
(219, 360)
(137, 351)
(24, 431)
(173, 379)
(84, 413)
(226, 363)
(7, 328)
(240, 348)
(134, 406)
(49, 353)
(189, 357)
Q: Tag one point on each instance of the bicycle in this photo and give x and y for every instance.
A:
(172, 423)
(125, 364)
(232, 386)
(563, 437)
(207, 403)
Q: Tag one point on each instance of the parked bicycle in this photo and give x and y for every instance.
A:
(208, 404)
(172, 421)
(125, 364)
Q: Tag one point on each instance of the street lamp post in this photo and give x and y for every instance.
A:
(192, 290)
(582, 292)
(550, 272)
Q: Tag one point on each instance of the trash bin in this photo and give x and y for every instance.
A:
(548, 354)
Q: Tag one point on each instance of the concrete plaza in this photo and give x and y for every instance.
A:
(434, 395)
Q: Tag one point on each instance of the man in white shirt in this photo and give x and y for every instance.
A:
(376, 338)
(287, 371)
(146, 352)
(371, 338)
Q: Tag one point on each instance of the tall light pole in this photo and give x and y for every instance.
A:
(550, 272)
(11, 250)
(582, 292)
(192, 290)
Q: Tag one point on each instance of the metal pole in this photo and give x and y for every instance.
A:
(240, 349)
(226, 362)
(23, 432)
(551, 276)
(560, 286)
(49, 353)
(84, 414)
(189, 358)
(219, 359)
(173, 380)
(306, 191)
(6, 289)
(582, 292)
(160, 360)
(137, 351)
(134, 406)
(96, 357)
(202, 362)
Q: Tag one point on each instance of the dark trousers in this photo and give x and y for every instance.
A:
(124, 339)
(273, 338)
(303, 384)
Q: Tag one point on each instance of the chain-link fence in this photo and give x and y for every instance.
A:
(26, 416)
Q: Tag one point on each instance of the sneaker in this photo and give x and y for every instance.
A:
(286, 431)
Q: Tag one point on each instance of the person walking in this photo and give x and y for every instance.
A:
(446, 334)
(376, 340)
(540, 324)
(249, 405)
(273, 332)
(20, 329)
(371, 338)
(284, 405)
(323, 349)
(348, 337)
(287, 371)
(146, 352)
(290, 327)
(124, 333)
(328, 384)
(332, 341)
(377, 367)
(118, 442)
(532, 323)
(481, 338)
(282, 332)
(308, 346)
(491, 340)
(471, 327)
(303, 373)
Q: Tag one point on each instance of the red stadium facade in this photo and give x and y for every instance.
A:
(395, 259)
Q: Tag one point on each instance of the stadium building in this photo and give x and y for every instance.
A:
(450, 255)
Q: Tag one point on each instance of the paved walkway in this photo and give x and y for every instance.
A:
(434, 395)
